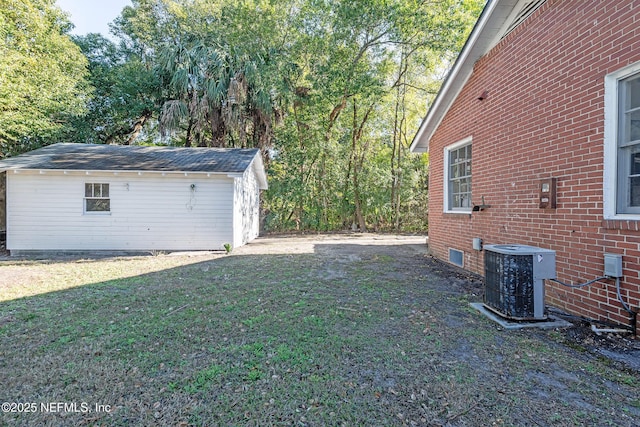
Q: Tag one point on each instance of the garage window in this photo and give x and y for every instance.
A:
(96, 197)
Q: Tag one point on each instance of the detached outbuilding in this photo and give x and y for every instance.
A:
(78, 197)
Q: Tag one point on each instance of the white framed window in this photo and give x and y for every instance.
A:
(622, 144)
(457, 177)
(96, 198)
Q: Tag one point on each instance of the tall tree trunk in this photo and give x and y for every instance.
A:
(218, 129)
(362, 225)
(301, 170)
(137, 127)
(323, 218)
(188, 141)
(394, 171)
(356, 163)
(398, 134)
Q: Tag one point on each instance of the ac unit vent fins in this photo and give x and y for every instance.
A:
(514, 280)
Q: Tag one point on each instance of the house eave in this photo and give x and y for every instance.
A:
(487, 32)
(42, 171)
(256, 166)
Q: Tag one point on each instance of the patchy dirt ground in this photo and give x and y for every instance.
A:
(622, 348)
(343, 330)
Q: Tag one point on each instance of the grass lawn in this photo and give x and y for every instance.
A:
(346, 333)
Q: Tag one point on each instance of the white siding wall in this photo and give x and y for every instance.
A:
(3, 216)
(246, 206)
(252, 199)
(151, 211)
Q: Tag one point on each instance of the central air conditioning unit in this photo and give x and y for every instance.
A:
(514, 280)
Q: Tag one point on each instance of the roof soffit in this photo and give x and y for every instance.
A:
(497, 20)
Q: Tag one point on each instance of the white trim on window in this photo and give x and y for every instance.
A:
(611, 122)
(446, 190)
(97, 195)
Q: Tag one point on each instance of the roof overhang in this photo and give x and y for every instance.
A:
(75, 172)
(168, 161)
(498, 18)
(257, 166)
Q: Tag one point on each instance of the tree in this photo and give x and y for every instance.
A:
(125, 96)
(194, 87)
(216, 82)
(331, 91)
(364, 67)
(42, 75)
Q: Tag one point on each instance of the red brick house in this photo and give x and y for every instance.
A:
(543, 89)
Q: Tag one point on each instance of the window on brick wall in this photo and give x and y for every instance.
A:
(622, 143)
(629, 145)
(457, 177)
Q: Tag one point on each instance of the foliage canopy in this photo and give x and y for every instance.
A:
(42, 74)
(331, 91)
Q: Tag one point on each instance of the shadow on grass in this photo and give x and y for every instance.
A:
(351, 334)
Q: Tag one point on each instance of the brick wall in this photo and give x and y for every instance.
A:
(543, 118)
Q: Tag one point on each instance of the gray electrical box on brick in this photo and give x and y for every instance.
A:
(613, 265)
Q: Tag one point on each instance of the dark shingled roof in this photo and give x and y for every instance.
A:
(96, 157)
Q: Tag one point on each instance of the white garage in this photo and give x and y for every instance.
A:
(85, 197)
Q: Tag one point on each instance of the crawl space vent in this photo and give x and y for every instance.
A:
(456, 257)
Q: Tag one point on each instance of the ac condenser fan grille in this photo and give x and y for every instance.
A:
(509, 284)
(514, 275)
